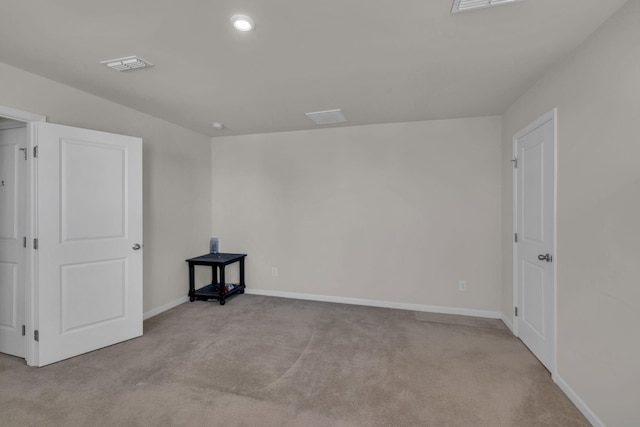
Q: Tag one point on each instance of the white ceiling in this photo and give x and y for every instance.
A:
(379, 60)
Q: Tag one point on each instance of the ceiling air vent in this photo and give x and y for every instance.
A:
(328, 117)
(127, 63)
(465, 5)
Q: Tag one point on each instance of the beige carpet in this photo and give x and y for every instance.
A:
(260, 361)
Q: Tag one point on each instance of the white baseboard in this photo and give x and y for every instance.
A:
(344, 300)
(376, 303)
(582, 407)
(149, 314)
(506, 321)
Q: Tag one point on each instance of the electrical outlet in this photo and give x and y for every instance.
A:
(462, 285)
(274, 271)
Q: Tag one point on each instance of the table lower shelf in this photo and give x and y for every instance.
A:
(212, 291)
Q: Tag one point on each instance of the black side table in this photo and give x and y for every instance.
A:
(216, 289)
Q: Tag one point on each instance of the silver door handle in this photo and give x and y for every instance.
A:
(136, 247)
(545, 257)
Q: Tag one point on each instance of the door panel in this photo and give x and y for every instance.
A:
(105, 281)
(89, 217)
(8, 296)
(12, 230)
(99, 213)
(535, 151)
(533, 297)
(9, 187)
(532, 163)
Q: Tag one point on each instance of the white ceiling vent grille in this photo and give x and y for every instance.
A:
(465, 5)
(127, 63)
(328, 117)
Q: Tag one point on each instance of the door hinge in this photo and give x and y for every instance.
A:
(35, 151)
(36, 335)
(515, 162)
(24, 330)
(24, 241)
(516, 311)
(515, 236)
(35, 243)
(25, 152)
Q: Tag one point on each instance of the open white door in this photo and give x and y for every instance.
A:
(13, 144)
(534, 270)
(88, 269)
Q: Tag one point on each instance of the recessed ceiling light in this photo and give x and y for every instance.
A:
(127, 63)
(242, 22)
(217, 125)
(464, 5)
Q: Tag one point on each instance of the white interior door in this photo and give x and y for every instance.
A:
(535, 228)
(13, 143)
(89, 229)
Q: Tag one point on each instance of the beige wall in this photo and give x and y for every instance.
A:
(597, 92)
(394, 212)
(177, 180)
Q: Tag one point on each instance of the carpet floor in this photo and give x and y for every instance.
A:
(262, 361)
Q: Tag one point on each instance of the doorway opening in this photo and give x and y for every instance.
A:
(73, 217)
(16, 311)
(13, 240)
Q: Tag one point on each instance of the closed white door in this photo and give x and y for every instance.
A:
(535, 228)
(89, 229)
(12, 233)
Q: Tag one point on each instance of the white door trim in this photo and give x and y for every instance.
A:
(553, 117)
(21, 116)
(30, 302)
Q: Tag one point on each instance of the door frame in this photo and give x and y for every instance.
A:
(31, 304)
(553, 117)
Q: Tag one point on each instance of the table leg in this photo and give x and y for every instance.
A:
(192, 286)
(221, 287)
(242, 284)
